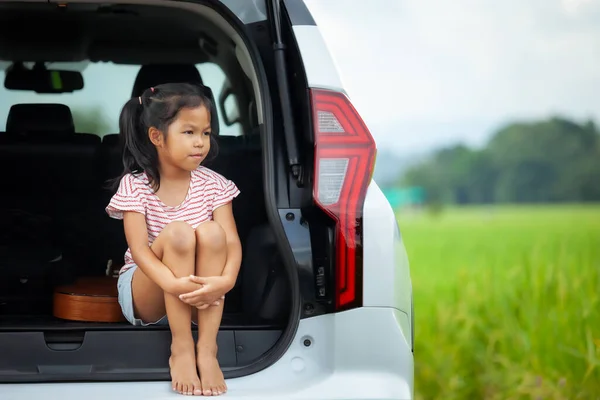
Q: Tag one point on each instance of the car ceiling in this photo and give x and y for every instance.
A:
(127, 34)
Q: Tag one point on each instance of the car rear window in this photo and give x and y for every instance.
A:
(107, 87)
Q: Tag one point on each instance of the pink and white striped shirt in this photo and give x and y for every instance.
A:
(208, 190)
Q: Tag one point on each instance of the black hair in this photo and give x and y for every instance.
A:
(158, 107)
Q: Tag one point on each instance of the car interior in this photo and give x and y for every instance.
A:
(55, 171)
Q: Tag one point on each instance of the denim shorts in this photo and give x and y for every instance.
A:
(126, 300)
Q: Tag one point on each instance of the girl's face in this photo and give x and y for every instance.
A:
(188, 140)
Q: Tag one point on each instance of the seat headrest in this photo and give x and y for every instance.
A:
(40, 119)
(156, 74)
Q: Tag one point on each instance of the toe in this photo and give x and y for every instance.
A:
(197, 389)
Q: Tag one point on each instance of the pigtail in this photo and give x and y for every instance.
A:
(139, 154)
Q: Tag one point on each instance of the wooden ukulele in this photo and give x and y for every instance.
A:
(89, 299)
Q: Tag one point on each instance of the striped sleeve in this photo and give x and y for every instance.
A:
(129, 197)
(226, 192)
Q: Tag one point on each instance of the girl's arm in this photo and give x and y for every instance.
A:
(137, 239)
(223, 215)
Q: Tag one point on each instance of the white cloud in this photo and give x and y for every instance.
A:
(456, 68)
(574, 7)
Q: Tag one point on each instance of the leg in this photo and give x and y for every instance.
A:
(176, 247)
(211, 254)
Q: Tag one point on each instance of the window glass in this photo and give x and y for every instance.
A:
(107, 87)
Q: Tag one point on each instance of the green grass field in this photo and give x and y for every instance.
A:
(507, 302)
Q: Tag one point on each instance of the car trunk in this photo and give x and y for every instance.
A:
(65, 236)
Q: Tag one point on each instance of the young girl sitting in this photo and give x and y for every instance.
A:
(184, 251)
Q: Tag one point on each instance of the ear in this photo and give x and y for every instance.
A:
(156, 137)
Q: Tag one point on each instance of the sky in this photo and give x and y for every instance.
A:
(427, 73)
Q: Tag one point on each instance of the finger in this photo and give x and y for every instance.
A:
(191, 302)
(203, 306)
(195, 293)
(198, 279)
(196, 300)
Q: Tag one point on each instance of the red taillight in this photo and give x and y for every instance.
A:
(344, 162)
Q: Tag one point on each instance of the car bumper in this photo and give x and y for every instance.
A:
(351, 386)
(357, 354)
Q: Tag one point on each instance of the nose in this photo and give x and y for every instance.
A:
(199, 142)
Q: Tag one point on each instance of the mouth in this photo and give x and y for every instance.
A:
(197, 156)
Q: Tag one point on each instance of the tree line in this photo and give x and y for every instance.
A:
(554, 160)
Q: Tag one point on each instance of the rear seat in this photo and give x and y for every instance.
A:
(49, 171)
(51, 164)
(114, 243)
(240, 160)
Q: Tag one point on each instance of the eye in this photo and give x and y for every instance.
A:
(189, 132)
(207, 133)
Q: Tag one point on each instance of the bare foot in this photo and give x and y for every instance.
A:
(213, 382)
(183, 369)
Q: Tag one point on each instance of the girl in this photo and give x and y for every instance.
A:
(184, 251)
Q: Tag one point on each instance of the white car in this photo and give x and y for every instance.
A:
(323, 305)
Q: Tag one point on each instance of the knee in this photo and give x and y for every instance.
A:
(211, 235)
(180, 237)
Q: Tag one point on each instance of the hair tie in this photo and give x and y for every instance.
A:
(152, 89)
(140, 98)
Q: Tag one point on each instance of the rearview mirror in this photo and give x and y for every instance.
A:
(42, 80)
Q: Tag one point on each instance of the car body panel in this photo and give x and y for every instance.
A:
(386, 272)
(321, 71)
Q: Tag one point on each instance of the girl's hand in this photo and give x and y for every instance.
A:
(183, 285)
(203, 306)
(212, 290)
(186, 284)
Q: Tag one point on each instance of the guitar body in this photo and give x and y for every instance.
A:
(90, 299)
